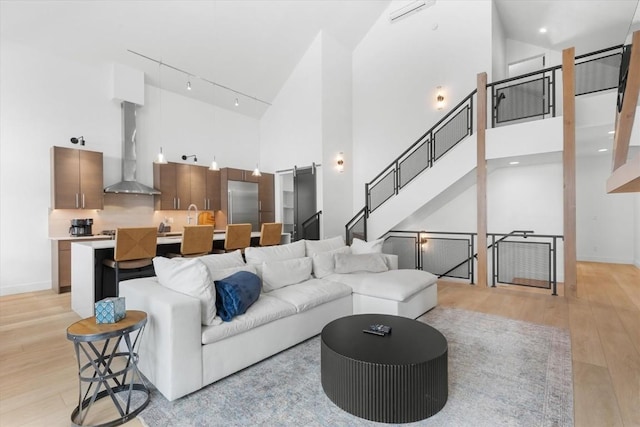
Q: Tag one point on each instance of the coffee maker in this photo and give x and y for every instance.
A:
(81, 227)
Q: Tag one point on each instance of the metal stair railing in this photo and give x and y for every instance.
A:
(530, 96)
(311, 227)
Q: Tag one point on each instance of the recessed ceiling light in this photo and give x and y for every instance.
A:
(611, 132)
(542, 30)
(514, 163)
(602, 150)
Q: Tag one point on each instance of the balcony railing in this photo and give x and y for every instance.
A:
(523, 98)
(517, 258)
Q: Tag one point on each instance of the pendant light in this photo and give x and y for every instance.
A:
(214, 165)
(160, 159)
(256, 171)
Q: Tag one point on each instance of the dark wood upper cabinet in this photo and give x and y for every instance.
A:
(77, 179)
(164, 179)
(266, 193)
(212, 190)
(182, 185)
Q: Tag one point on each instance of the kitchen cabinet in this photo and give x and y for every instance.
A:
(77, 179)
(61, 263)
(212, 196)
(266, 197)
(241, 175)
(180, 185)
(164, 179)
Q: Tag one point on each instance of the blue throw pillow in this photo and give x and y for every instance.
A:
(236, 293)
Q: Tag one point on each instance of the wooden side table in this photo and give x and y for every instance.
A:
(109, 370)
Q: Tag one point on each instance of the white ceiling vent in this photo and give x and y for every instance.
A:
(410, 8)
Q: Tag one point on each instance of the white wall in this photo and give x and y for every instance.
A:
(498, 47)
(396, 70)
(337, 187)
(605, 223)
(47, 99)
(310, 122)
(518, 198)
(518, 51)
(291, 129)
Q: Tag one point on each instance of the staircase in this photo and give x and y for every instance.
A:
(522, 113)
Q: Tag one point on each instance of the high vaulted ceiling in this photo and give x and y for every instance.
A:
(252, 46)
(587, 25)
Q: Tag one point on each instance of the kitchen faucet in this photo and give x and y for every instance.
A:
(189, 213)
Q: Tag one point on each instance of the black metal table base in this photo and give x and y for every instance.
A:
(110, 371)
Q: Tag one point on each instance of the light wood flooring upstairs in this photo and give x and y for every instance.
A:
(38, 371)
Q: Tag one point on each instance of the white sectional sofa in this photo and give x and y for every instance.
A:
(305, 285)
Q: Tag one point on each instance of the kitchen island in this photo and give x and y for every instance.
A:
(87, 285)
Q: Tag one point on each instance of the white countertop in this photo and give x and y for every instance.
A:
(94, 237)
(106, 244)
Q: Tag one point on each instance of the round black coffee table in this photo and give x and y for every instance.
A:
(397, 378)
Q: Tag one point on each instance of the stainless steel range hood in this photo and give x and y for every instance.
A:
(129, 183)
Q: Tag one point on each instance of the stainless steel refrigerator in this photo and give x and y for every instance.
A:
(243, 204)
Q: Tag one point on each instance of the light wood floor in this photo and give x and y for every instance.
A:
(38, 371)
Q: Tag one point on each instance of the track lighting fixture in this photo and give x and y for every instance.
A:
(185, 157)
(79, 139)
(191, 75)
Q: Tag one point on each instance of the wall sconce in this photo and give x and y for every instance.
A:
(195, 159)
(160, 159)
(439, 99)
(79, 139)
(340, 162)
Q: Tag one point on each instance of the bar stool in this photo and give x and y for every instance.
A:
(134, 252)
(237, 236)
(197, 240)
(271, 233)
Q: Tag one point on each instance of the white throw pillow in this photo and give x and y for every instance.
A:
(189, 276)
(278, 274)
(256, 255)
(361, 247)
(324, 263)
(226, 272)
(318, 246)
(349, 263)
(221, 261)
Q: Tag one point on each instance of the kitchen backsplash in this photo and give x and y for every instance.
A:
(120, 210)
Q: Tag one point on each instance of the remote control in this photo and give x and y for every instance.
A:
(378, 329)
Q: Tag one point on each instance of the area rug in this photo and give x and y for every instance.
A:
(502, 372)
